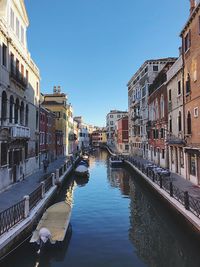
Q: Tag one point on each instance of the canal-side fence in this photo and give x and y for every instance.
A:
(18, 212)
(163, 180)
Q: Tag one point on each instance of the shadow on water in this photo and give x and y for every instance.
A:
(160, 239)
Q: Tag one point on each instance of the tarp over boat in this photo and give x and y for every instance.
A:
(56, 219)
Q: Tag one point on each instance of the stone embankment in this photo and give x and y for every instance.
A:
(18, 221)
(180, 199)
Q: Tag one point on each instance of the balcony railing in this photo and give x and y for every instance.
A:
(18, 131)
(18, 77)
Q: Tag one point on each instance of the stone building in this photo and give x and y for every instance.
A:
(138, 92)
(158, 118)
(191, 61)
(175, 131)
(83, 133)
(19, 97)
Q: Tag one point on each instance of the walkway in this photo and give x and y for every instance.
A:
(178, 181)
(17, 191)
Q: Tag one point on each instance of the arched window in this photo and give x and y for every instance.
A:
(22, 113)
(11, 109)
(162, 106)
(179, 122)
(189, 123)
(16, 111)
(27, 111)
(157, 112)
(170, 124)
(4, 106)
(187, 84)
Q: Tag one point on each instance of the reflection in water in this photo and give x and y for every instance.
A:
(116, 223)
(159, 242)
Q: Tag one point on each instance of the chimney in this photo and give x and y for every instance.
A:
(192, 6)
(59, 89)
(54, 89)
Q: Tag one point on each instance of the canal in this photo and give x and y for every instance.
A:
(116, 222)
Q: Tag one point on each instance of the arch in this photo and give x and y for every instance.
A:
(16, 111)
(4, 106)
(22, 113)
(189, 123)
(11, 109)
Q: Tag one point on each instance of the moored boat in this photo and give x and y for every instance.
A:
(116, 161)
(82, 171)
(52, 227)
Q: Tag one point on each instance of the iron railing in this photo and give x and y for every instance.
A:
(163, 181)
(48, 183)
(11, 216)
(35, 197)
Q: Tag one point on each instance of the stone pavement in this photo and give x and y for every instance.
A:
(17, 191)
(179, 181)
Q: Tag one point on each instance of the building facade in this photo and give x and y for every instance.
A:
(19, 97)
(138, 93)
(47, 135)
(122, 142)
(83, 133)
(158, 118)
(175, 131)
(111, 119)
(57, 103)
(191, 62)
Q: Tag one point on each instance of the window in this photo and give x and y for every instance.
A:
(179, 122)
(27, 76)
(111, 116)
(22, 70)
(17, 67)
(118, 116)
(111, 123)
(4, 55)
(161, 133)
(179, 87)
(16, 111)
(170, 95)
(199, 24)
(11, 109)
(163, 153)
(27, 111)
(172, 155)
(4, 106)
(189, 123)
(187, 84)
(181, 158)
(12, 18)
(192, 164)
(154, 151)
(162, 107)
(155, 68)
(170, 124)
(4, 150)
(187, 41)
(17, 27)
(196, 112)
(22, 35)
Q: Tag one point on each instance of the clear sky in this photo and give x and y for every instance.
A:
(93, 47)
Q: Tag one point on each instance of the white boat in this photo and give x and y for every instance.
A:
(85, 157)
(116, 161)
(82, 170)
(53, 226)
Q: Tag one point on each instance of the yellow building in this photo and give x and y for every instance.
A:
(57, 103)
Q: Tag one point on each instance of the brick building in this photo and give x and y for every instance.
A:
(122, 135)
(191, 62)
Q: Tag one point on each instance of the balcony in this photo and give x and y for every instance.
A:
(18, 131)
(18, 78)
(176, 139)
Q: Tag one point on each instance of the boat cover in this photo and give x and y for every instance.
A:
(56, 219)
(81, 169)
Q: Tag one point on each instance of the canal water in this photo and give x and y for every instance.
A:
(116, 222)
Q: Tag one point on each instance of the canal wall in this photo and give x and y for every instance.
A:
(186, 217)
(19, 232)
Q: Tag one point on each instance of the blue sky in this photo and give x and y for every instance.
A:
(93, 47)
